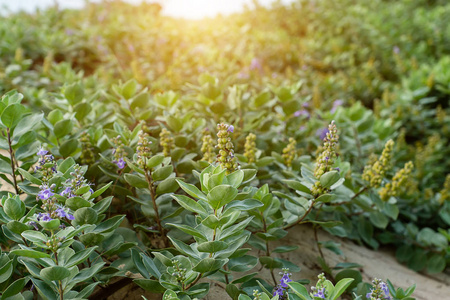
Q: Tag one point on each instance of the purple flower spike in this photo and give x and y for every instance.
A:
(42, 152)
(230, 128)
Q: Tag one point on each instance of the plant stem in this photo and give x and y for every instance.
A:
(61, 291)
(226, 275)
(13, 167)
(194, 282)
(148, 177)
(358, 144)
(317, 242)
(300, 219)
(267, 247)
(362, 190)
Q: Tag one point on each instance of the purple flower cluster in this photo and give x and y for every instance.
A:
(45, 159)
(285, 279)
(42, 152)
(45, 193)
(67, 192)
(73, 184)
(44, 217)
(380, 291)
(281, 289)
(120, 163)
(62, 213)
(320, 293)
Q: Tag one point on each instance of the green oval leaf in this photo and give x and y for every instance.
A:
(55, 273)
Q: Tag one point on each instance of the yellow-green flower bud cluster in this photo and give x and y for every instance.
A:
(226, 153)
(445, 192)
(289, 152)
(166, 142)
(250, 148)
(87, 156)
(423, 153)
(143, 150)
(208, 147)
(398, 184)
(326, 159)
(374, 173)
(318, 189)
(55, 242)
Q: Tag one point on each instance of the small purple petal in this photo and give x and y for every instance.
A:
(336, 104)
(46, 217)
(45, 193)
(230, 128)
(320, 293)
(42, 152)
(285, 279)
(120, 163)
(279, 291)
(301, 112)
(322, 133)
(67, 191)
(256, 64)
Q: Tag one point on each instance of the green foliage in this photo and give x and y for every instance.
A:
(122, 181)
